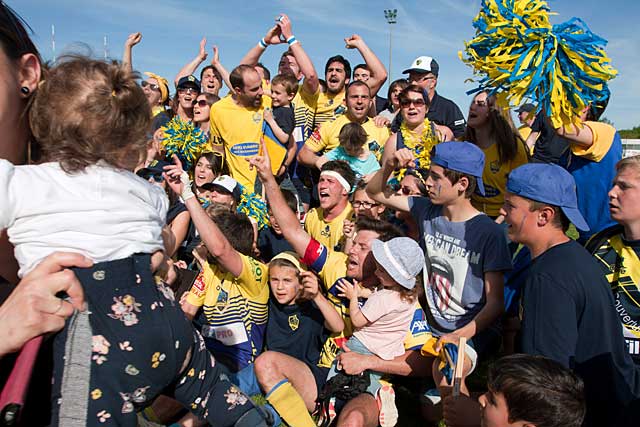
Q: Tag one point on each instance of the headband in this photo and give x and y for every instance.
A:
(339, 178)
(163, 85)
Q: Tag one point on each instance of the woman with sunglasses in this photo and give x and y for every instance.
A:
(503, 148)
(416, 132)
(201, 110)
(187, 91)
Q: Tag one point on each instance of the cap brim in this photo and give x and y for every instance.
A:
(480, 186)
(576, 218)
(417, 70)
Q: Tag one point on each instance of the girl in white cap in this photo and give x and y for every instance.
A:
(381, 323)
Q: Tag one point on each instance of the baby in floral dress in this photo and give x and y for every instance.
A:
(133, 342)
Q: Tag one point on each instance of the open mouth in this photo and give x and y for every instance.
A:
(323, 194)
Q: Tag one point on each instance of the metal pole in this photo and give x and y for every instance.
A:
(390, 49)
(53, 41)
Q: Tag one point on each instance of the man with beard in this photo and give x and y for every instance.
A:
(312, 106)
(287, 389)
(236, 123)
(327, 138)
(210, 78)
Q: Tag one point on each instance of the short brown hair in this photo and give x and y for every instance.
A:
(455, 176)
(289, 82)
(560, 220)
(629, 162)
(88, 110)
(352, 138)
(235, 226)
(386, 231)
(236, 78)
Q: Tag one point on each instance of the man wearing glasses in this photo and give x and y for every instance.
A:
(442, 111)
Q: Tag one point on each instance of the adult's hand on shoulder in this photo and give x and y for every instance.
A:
(33, 308)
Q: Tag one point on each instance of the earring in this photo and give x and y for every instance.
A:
(25, 90)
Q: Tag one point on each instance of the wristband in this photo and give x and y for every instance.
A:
(292, 40)
(262, 43)
(186, 193)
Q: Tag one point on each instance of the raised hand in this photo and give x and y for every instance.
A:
(133, 39)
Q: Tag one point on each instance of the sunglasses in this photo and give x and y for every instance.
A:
(201, 103)
(152, 86)
(188, 90)
(417, 102)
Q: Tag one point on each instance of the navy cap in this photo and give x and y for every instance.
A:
(548, 183)
(188, 81)
(462, 157)
(155, 170)
(526, 108)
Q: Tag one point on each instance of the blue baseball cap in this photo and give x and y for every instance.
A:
(548, 183)
(187, 81)
(462, 157)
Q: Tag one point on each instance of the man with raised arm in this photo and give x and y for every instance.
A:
(333, 266)
(210, 77)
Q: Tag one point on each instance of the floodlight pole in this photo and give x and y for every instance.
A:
(391, 16)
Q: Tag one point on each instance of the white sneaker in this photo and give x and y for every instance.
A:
(386, 398)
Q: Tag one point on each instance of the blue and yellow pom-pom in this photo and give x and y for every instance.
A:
(520, 55)
(183, 139)
(254, 207)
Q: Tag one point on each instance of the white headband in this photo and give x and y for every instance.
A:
(339, 178)
(395, 262)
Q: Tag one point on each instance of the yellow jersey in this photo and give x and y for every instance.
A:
(238, 130)
(235, 309)
(326, 138)
(313, 109)
(329, 233)
(494, 178)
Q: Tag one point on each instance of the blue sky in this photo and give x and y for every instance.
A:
(172, 29)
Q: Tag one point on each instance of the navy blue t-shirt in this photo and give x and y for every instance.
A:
(296, 330)
(567, 312)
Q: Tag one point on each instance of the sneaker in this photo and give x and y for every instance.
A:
(327, 413)
(386, 398)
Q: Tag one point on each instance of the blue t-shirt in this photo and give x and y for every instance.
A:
(457, 254)
(360, 167)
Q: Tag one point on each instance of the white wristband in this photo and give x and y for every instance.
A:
(186, 193)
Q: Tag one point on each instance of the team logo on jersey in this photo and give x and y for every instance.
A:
(256, 117)
(223, 297)
(294, 322)
(494, 166)
(326, 232)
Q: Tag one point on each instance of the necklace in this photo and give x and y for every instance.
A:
(420, 145)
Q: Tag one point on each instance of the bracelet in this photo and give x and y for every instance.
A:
(262, 43)
(292, 40)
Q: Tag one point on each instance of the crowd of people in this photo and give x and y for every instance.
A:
(322, 244)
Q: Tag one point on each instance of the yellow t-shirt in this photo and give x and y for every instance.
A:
(494, 178)
(331, 266)
(602, 139)
(235, 308)
(525, 131)
(326, 139)
(313, 109)
(328, 233)
(238, 130)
